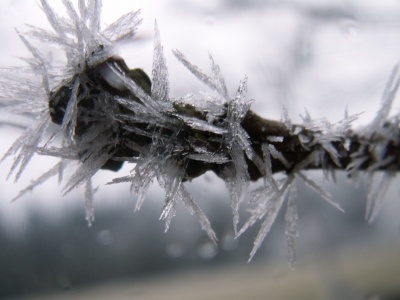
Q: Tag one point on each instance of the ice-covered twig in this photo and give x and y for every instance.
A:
(106, 113)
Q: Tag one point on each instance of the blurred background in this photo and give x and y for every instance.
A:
(320, 55)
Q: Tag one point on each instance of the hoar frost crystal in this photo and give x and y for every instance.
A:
(107, 114)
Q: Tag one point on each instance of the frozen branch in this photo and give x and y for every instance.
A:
(108, 114)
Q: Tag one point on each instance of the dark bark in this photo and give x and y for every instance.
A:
(258, 129)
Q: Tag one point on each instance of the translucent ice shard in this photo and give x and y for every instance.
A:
(275, 139)
(160, 83)
(286, 119)
(25, 144)
(274, 205)
(195, 209)
(278, 155)
(89, 202)
(375, 201)
(87, 169)
(219, 80)
(198, 124)
(70, 117)
(43, 178)
(124, 27)
(172, 181)
(388, 96)
(319, 190)
(196, 71)
(237, 181)
(268, 178)
(209, 157)
(291, 225)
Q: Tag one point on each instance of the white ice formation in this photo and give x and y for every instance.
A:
(154, 116)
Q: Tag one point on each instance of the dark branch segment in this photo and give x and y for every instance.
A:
(292, 146)
(98, 80)
(348, 148)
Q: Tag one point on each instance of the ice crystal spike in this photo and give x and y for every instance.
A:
(40, 63)
(239, 106)
(387, 99)
(374, 202)
(268, 178)
(70, 117)
(196, 71)
(93, 12)
(87, 169)
(58, 24)
(28, 140)
(278, 155)
(89, 202)
(219, 80)
(193, 208)
(61, 167)
(274, 206)
(172, 181)
(209, 157)
(291, 226)
(313, 159)
(124, 27)
(195, 123)
(140, 181)
(237, 184)
(370, 190)
(275, 139)
(43, 178)
(382, 163)
(319, 190)
(160, 83)
(261, 198)
(286, 119)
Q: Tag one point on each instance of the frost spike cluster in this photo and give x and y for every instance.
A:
(215, 134)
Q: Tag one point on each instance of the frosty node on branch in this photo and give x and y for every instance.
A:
(108, 114)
